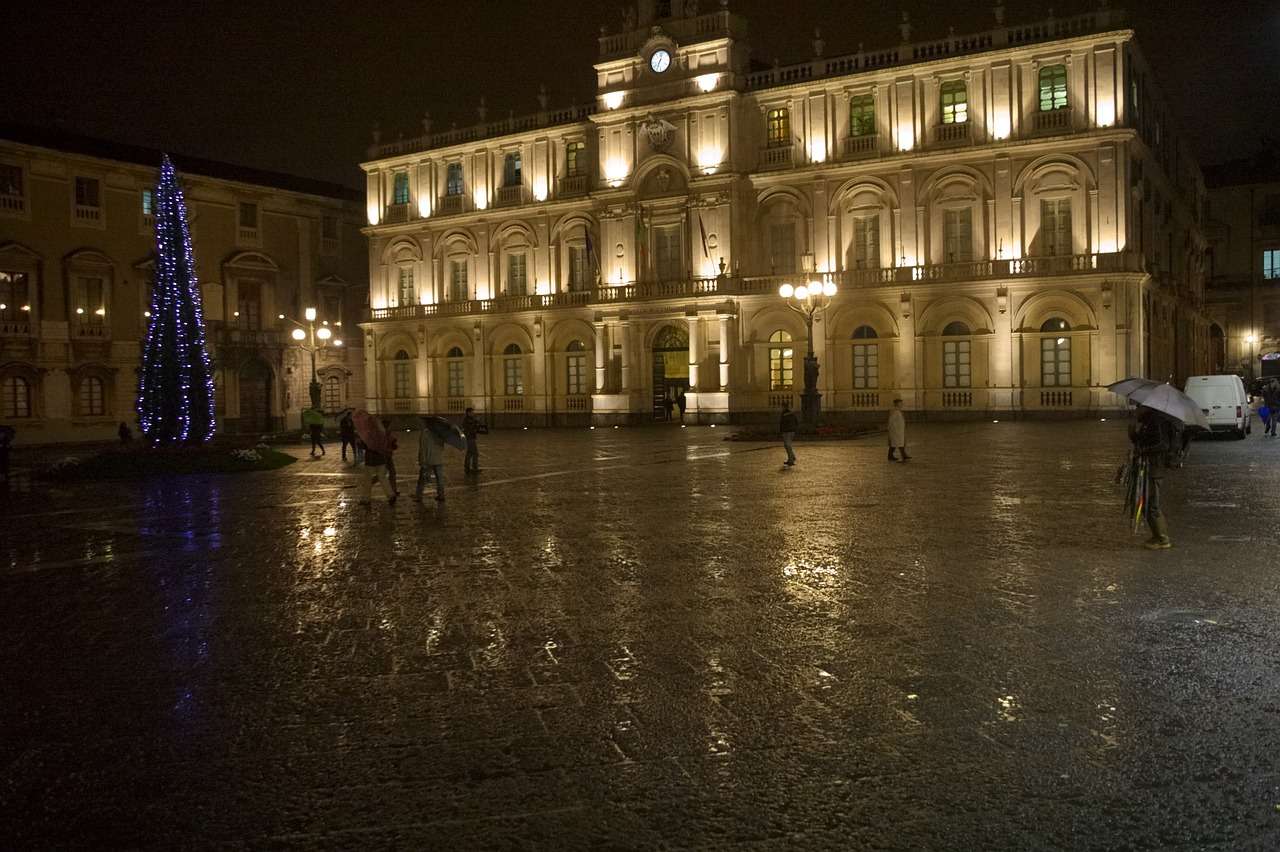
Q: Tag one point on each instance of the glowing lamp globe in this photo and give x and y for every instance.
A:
(802, 292)
(311, 314)
(337, 342)
(299, 334)
(829, 289)
(786, 291)
(323, 333)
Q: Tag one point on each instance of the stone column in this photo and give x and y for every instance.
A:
(624, 336)
(602, 367)
(725, 343)
(695, 350)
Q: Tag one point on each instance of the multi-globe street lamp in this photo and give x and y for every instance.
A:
(306, 338)
(807, 300)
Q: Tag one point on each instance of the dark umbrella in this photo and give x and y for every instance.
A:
(445, 431)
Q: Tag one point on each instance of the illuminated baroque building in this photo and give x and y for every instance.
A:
(1009, 219)
(76, 255)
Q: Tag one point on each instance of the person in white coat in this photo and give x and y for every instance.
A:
(430, 462)
(897, 432)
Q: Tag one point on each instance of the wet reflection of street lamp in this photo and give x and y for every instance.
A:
(306, 338)
(807, 300)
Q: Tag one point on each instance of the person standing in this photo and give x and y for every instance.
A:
(788, 425)
(125, 433)
(471, 427)
(317, 437)
(682, 402)
(897, 432)
(430, 462)
(347, 431)
(668, 405)
(1152, 436)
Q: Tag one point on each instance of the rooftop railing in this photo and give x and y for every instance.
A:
(486, 130)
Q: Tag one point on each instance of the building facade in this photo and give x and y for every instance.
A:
(1243, 232)
(1007, 216)
(77, 250)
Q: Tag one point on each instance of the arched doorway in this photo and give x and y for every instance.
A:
(255, 396)
(670, 368)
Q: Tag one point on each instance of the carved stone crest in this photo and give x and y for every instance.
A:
(659, 132)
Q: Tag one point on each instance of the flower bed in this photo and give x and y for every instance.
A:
(140, 461)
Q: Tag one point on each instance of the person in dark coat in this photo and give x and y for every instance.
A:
(347, 431)
(471, 427)
(1271, 396)
(683, 402)
(125, 433)
(668, 405)
(317, 437)
(788, 425)
(1153, 438)
(392, 446)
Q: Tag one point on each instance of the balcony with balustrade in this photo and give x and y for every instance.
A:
(572, 186)
(1052, 122)
(509, 196)
(777, 157)
(861, 147)
(949, 135)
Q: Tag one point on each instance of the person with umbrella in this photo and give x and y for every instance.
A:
(1162, 410)
(314, 420)
(436, 432)
(375, 457)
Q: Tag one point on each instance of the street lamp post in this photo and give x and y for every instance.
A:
(807, 300)
(306, 338)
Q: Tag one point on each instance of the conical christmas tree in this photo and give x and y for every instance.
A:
(175, 387)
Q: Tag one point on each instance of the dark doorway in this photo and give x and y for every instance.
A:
(255, 397)
(670, 369)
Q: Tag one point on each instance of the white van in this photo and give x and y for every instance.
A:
(1224, 402)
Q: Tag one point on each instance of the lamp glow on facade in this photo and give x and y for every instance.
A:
(906, 138)
(424, 206)
(1000, 127)
(540, 189)
(710, 158)
(613, 100)
(1106, 112)
(817, 151)
(481, 199)
(707, 82)
(373, 214)
(615, 171)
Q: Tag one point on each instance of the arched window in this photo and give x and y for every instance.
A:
(955, 357)
(457, 377)
(403, 383)
(1055, 353)
(955, 102)
(1053, 88)
(513, 370)
(92, 397)
(781, 361)
(866, 359)
(332, 393)
(576, 368)
(15, 398)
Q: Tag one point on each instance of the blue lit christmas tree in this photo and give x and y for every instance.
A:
(175, 386)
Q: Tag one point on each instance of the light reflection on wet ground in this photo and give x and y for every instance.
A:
(651, 639)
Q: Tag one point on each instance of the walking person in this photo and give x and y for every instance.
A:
(347, 431)
(788, 425)
(1271, 397)
(375, 458)
(317, 437)
(125, 433)
(430, 462)
(1152, 436)
(897, 432)
(392, 446)
(471, 427)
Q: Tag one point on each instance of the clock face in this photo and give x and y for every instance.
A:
(660, 61)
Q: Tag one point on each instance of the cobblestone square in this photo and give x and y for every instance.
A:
(651, 639)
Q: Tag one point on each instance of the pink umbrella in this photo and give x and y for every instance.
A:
(370, 430)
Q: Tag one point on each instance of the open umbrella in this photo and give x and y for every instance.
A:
(312, 417)
(370, 431)
(446, 431)
(1125, 387)
(1165, 399)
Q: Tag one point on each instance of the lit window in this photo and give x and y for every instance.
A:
(576, 369)
(781, 361)
(10, 180)
(862, 116)
(15, 398)
(517, 274)
(14, 297)
(1055, 354)
(332, 393)
(955, 357)
(513, 371)
(1053, 88)
(87, 192)
(148, 202)
(402, 375)
(511, 169)
(457, 374)
(778, 127)
(453, 179)
(91, 397)
(405, 288)
(866, 359)
(1271, 264)
(573, 158)
(955, 102)
(400, 188)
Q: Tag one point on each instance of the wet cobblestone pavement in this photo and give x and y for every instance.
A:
(652, 639)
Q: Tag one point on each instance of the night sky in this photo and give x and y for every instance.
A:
(296, 87)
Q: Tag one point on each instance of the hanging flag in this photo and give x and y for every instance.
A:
(703, 228)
